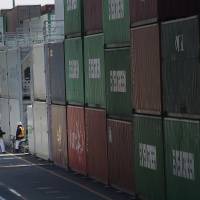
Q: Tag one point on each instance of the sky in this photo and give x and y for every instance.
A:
(4, 4)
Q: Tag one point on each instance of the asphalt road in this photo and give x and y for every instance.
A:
(24, 177)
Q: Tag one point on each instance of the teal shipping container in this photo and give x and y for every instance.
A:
(182, 139)
(94, 71)
(149, 157)
(118, 83)
(116, 22)
(74, 71)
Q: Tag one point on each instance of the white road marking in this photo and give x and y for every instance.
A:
(14, 192)
(24, 165)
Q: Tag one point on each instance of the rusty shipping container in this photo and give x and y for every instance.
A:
(146, 69)
(96, 142)
(17, 15)
(148, 11)
(93, 16)
(121, 154)
(59, 135)
(76, 138)
(48, 8)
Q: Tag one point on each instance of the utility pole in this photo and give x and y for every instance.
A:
(13, 3)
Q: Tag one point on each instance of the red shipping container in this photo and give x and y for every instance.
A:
(76, 139)
(121, 155)
(146, 69)
(93, 16)
(148, 11)
(48, 8)
(59, 135)
(96, 137)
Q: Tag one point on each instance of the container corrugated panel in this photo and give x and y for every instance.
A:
(74, 71)
(182, 159)
(59, 135)
(30, 129)
(173, 9)
(116, 14)
(76, 139)
(3, 75)
(14, 73)
(118, 82)
(93, 16)
(96, 141)
(181, 68)
(121, 154)
(39, 77)
(146, 69)
(94, 71)
(15, 114)
(41, 129)
(149, 157)
(57, 73)
(180, 39)
(11, 20)
(144, 12)
(73, 17)
(4, 117)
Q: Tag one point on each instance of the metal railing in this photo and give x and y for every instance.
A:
(52, 31)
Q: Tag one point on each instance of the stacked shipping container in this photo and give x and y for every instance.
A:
(74, 68)
(161, 51)
(111, 70)
(116, 27)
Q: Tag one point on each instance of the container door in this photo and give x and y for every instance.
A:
(41, 130)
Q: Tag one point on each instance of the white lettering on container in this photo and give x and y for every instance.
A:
(148, 157)
(118, 81)
(116, 9)
(183, 164)
(72, 5)
(94, 68)
(179, 43)
(74, 69)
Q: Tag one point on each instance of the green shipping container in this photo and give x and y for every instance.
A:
(149, 155)
(94, 71)
(180, 39)
(73, 17)
(74, 71)
(118, 82)
(116, 22)
(182, 139)
(181, 67)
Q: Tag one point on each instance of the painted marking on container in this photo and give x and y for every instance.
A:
(118, 81)
(72, 5)
(183, 164)
(74, 69)
(1, 198)
(116, 9)
(179, 43)
(94, 68)
(148, 156)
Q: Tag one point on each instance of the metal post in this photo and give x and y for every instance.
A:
(13, 3)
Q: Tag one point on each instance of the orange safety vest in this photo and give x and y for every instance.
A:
(22, 132)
